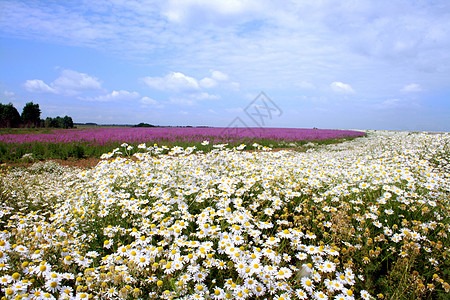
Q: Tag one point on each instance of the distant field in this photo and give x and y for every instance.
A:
(94, 141)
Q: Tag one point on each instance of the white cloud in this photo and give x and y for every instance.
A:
(9, 94)
(69, 82)
(342, 88)
(206, 96)
(219, 76)
(412, 88)
(208, 83)
(389, 104)
(174, 81)
(235, 86)
(206, 11)
(398, 103)
(38, 86)
(192, 99)
(73, 81)
(186, 89)
(182, 101)
(147, 100)
(213, 81)
(179, 82)
(305, 85)
(121, 95)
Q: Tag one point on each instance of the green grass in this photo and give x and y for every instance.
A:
(4, 131)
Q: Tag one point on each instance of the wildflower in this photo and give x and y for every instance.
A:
(316, 276)
(218, 293)
(301, 294)
(4, 266)
(196, 296)
(52, 285)
(342, 296)
(82, 296)
(310, 235)
(312, 250)
(377, 224)
(283, 296)
(221, 265)
(328, 266)
(107, 244)
(301, 256)
(43, 269)
(319, 295)
(9, 292)
(307, 284)
(199, 276)
(92, 254)
(365, 295)
(317, 259)
(143, 261)
(286, 257)
(37, 294)
(82, 261)
(200, 288)
(283, 273)
(6, 279)
(21, 249)
(66, 291)
(389, 211)
(433, 261)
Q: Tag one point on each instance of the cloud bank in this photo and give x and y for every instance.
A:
(69, 82)
(342, 88)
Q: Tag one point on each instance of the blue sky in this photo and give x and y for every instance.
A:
(326, 64)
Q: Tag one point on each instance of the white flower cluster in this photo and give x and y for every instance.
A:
(227, 224)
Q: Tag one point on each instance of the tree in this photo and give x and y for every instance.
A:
(144, 125)
(67, 122)
(31, 115)
(9, 116)
(59, 122)
(48, 122)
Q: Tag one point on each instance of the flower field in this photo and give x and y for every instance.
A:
(81, 143)
(363, 219)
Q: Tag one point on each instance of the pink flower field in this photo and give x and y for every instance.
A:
(172, 134)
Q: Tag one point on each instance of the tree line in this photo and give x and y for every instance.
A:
(30, 117)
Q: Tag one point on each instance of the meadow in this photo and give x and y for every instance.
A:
(45, 143)
(367, 218)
